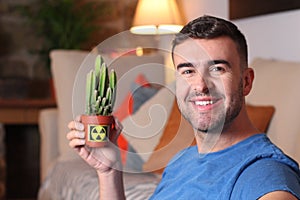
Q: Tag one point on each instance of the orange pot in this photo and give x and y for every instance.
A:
(97, 129)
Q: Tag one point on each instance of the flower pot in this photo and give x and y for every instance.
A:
(97, 129)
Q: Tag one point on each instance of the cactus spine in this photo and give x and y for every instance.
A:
(101, 89)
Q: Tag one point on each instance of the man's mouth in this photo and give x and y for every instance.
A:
(204, 103)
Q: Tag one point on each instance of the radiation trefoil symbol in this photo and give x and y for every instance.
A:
(97, 133)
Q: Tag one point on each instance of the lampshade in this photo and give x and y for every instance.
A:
(156, 17)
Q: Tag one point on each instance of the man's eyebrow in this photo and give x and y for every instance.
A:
(215, 62)
(187, 64)
(208, 63)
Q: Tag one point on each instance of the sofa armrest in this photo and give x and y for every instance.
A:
(49, 148)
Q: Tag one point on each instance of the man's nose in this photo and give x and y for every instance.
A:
(200, 84)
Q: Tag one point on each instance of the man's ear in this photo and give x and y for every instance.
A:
(248, 77)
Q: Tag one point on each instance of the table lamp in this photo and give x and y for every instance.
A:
(155, 17)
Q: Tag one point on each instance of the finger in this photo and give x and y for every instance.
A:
(79, 126)
(71, 125)
(78, 118)
(76, 125)
(83, 152)
(74, 134)
(76, 143)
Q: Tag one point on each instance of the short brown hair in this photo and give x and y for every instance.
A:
(209, 27)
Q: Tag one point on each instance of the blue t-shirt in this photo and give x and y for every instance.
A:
(246, 170)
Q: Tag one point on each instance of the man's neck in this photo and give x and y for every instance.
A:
(217, 142)
(227, 136)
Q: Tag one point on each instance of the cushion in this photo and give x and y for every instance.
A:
(140, 94)
(131, 103)
(260, 116)
(64, 66)
(144, 128)
(127, 105)
(177, 135)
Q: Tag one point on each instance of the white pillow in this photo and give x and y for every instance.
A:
(277, 83)
(64, 66)
(144, 129)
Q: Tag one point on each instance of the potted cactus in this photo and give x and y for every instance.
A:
(100, 99)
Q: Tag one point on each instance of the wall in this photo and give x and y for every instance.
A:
(194, 8)
(273, 36)
(20, 44)
(269, 36)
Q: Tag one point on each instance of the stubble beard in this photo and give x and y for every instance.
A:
(214, 121)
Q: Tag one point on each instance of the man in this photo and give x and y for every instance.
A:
(231, 160)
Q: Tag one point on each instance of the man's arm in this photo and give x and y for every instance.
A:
(111, 185)
(278, 195)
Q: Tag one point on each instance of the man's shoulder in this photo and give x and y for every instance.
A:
(271, 165)
(267, 175)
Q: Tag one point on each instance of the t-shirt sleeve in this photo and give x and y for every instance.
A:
(265, 176)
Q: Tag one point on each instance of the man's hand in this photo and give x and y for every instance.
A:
(103, 159)
(106, 160)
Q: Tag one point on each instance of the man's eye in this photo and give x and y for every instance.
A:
(217, 70)
(187, 71)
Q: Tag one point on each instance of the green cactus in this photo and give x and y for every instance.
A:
(101, 89)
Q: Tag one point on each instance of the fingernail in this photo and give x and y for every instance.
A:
(79, 126)
(82, 142)
(80, 134)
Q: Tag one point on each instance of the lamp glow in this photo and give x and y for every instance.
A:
(156, 17)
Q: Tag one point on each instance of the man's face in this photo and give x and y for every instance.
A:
(209, 84)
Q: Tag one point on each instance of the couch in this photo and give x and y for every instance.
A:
(68, 68)
(153, 130)
(277, 83)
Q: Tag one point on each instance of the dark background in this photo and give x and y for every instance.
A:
(247, 8)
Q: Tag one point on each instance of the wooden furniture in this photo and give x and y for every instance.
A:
(23, 111)
(19, 112)
(2, 166)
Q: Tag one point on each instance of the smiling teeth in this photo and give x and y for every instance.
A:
(203, 103)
